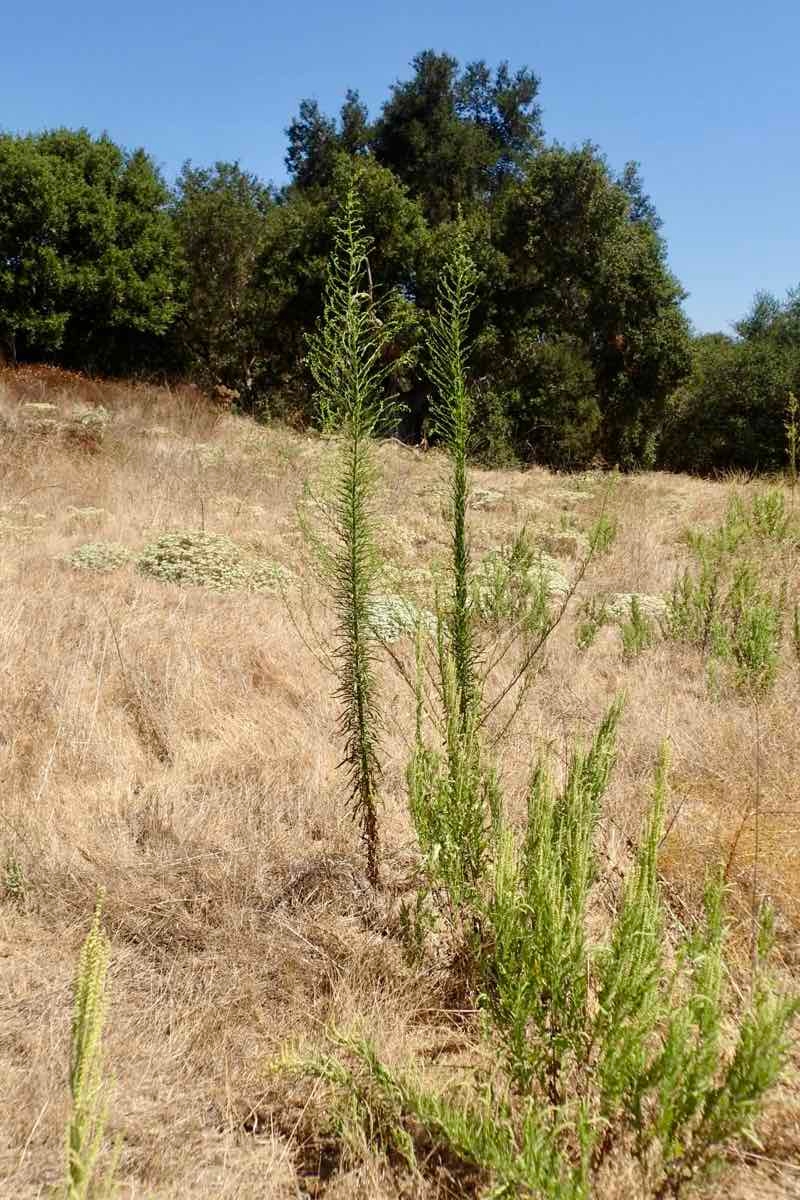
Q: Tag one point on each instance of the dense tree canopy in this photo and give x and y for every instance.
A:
(87, 250)
(220, 218)
(581, 349)
(731, 411)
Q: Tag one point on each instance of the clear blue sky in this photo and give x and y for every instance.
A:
(704, 93)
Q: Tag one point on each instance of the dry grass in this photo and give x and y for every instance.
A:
(176, 747)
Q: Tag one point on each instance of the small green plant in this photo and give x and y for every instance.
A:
(756, 634)
(88, 1089)
(722, 607)
(15, 884)
(391, 617)
(693, 609)
(194, 558)
(99, 556)
(637, 631)
(592, 617)
(603, 534)
(770, 520)
(514, 585)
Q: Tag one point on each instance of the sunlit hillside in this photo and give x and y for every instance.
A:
(174, 744)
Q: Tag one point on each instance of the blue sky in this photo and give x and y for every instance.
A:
(705, 94)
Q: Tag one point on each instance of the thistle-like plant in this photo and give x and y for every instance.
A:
(346, 360)
(792, 408)
(451, 418)
(89, 1105)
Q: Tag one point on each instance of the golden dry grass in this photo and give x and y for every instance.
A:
(176, 748)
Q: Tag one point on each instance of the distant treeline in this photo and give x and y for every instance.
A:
(581, 347)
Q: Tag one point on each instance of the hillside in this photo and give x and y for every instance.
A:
(175, 746)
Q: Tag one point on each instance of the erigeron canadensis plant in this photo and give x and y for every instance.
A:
(755, 648)
(451, 418)
(525, 588)
(637, 631)
(756, 624)
(88, 1088)
(604, 1050)
(346, 360)
(603, 534)
(721, 606)
(592, 616)
(791, 441)
(769, 517)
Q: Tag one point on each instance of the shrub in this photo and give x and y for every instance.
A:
(610, 1049)
(770, 520)
(515, 584)
(198, 559)
(721, 606)
(99, 556)
(391, 617)
(87, 430)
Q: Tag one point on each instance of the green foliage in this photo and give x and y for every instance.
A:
(722, 606)
(534, 976)
(514, 585)
(452, 420)
(453, 799)
(770, 520)
(15, 884)
(637, 632)
(603, 534)
(87, 251)
(592, 616)
(451, 136)
(731, 413)
(86, 1128)
(346, 360)
(220, 218)
(554, 410)
(756, 625)
(586, 312)
(791, 426)
(493, 443)
(99, 556)
(194, 558)
(612, 1049)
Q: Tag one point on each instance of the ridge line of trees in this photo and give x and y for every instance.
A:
(582, 350)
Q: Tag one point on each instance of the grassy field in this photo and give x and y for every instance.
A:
(175, 746)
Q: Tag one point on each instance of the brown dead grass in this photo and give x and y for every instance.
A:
(176, 748)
